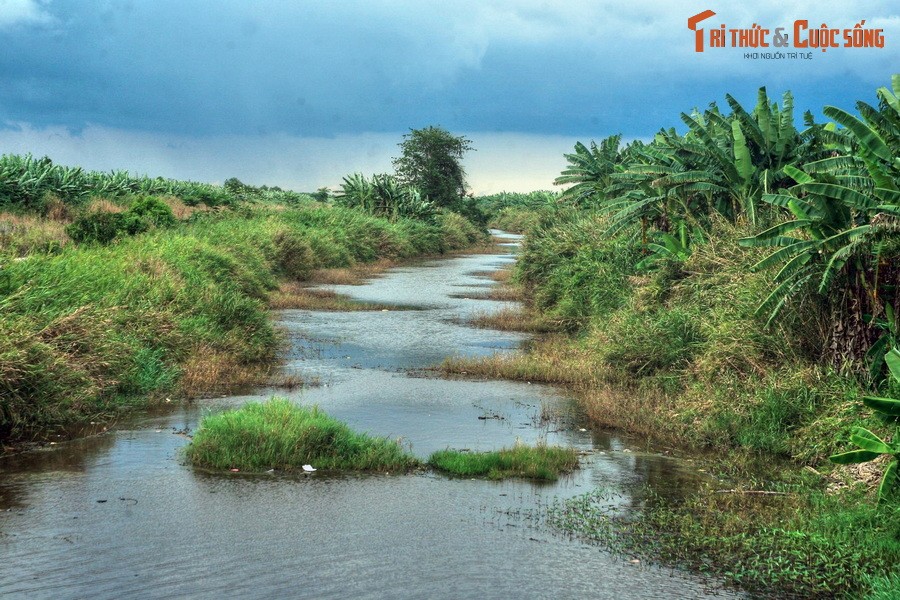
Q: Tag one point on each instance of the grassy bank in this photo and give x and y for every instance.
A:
(538, 462)
(281, 435)
(734, 290)
(791, 543)
(87, 328)
(680, 356)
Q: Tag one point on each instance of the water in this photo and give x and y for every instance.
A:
(121, 516)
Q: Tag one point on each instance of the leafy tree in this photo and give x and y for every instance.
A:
(431, 162)
(843, 229)
(589, 170)
(383, 196)
(323, 194)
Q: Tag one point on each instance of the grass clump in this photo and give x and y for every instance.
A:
(800, 544)
(278, 434)
(515, 319)
(296, 296)
(538, 462)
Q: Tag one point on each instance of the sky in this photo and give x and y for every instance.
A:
(298, 93)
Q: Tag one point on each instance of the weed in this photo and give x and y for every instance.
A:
(281, 435)
(538, 462)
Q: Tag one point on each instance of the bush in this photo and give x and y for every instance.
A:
(103, 227)
(152, 211)
(293, 255)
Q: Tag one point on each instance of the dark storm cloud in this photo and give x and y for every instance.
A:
(325, 68)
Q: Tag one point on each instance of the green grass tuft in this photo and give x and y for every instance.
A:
(803, 545)
(539, 462)
(281, 435)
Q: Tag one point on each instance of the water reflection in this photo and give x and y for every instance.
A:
(121, 516)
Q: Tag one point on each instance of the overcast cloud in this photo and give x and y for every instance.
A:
(299, 92)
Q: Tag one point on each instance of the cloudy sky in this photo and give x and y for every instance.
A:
(300, 92)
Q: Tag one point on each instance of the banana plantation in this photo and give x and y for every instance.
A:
(732, 286)
(384, 196)
(824, 198)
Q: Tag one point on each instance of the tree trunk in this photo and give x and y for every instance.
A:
(851, 336)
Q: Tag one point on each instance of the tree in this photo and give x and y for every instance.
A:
(589, 170)
(431, 162)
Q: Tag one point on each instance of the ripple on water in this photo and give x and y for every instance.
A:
(120, 516)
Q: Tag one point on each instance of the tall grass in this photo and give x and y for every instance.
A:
(87, 327)
(538, 462)
(571, 272)
(281, 435)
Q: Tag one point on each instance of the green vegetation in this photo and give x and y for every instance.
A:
(873, 447)
(431, 161)
(429, 178)
(27, 183)
(799, 544)
(518, 212)
(538, 462)
(384, 196)
(735, 288)
(281, 435)
(105, 305)
(103, 226)
(663, 272)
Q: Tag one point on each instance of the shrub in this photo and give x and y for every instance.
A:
(101, 227)
(152, 211)
(293, 255)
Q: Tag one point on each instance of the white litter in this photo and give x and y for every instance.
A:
(308, 468)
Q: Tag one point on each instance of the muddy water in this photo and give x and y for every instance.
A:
(121, 516)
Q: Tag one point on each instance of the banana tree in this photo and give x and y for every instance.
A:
(671, 247)
(842, 227)
(749, 151)
(357, 192)
(872, 446)
(589, 170)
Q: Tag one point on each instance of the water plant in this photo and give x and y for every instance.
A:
(279, 434)
(530, 462)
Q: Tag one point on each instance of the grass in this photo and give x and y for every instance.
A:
(551, 360)
(354, 275)
(501, 293)
(293, 295)
(500, 275)
(24, 235)
(802, 544)
(515, 319)
(88, 329)
(281, 435)
(539, 462)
